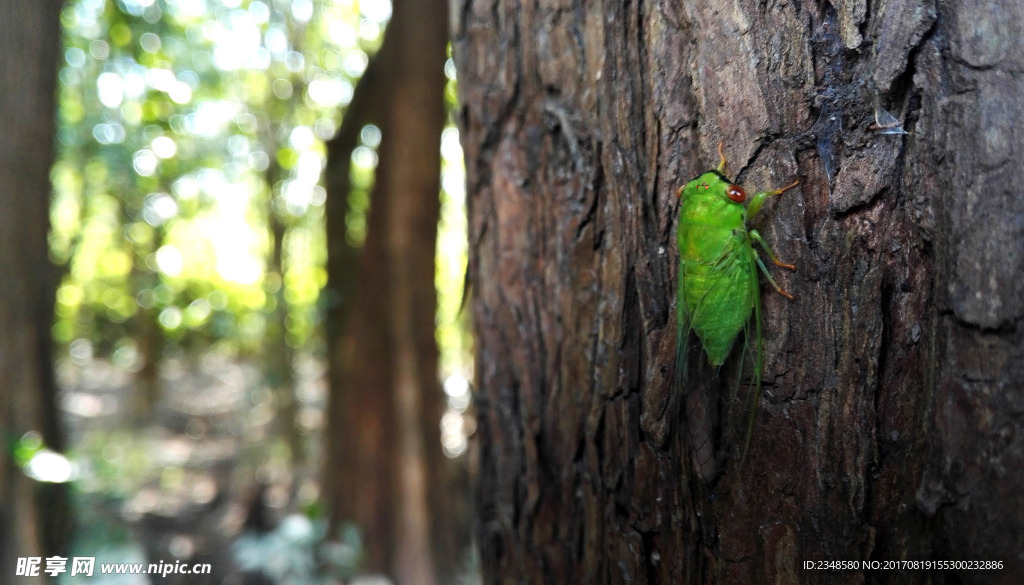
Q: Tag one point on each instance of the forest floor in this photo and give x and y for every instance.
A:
(208, 478)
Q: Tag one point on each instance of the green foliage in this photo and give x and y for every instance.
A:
(190, 145)
(186, 128)
(453, 329)
(116, 463)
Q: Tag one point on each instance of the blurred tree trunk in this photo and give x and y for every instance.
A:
(147, 387)
(33, 516)
(385, 469)
(278, 364)
(279, 367)
(892, 424)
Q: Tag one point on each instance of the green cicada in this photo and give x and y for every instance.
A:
(718, 288)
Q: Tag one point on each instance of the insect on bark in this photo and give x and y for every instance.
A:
(718, 289)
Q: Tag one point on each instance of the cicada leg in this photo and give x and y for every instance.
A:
(775, 259)
(758, 199)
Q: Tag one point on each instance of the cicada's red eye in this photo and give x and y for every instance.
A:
(736, 193)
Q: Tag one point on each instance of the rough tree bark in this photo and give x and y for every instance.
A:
(33, 517)
(385, 470)
(892, 424)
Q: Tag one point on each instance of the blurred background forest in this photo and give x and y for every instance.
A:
(209, 154)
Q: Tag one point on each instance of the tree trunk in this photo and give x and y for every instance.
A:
(893, 406)
(386, 471)
(33, 516)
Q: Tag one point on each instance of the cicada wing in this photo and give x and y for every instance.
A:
(753, 400)
(684, 321)
(700, 394)
(697, 400)
(734, 269)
